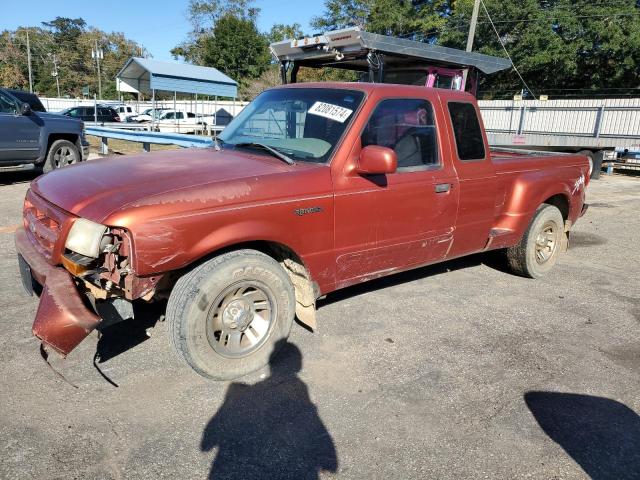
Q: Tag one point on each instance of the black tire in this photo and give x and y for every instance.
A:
(530, 258)
(60, 154)
(595, 162)
(195, 307)
(597, 165)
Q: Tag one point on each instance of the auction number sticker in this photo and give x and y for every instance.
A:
(330, 111)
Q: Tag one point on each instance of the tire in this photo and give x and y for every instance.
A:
(595, 162)
(219, 329)
(60, 154)
(530, 258)
(597, 165)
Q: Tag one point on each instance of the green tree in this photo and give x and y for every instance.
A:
(69, 43)
(203, 16)
(236, 48)
(280, 31)
(561, 47)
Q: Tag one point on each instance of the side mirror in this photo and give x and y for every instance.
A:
(25, 109)
(377, 160)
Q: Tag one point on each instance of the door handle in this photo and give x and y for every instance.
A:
(443, 187)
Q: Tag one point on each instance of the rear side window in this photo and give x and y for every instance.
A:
(466, 129)
(30, 98)
(406, 126)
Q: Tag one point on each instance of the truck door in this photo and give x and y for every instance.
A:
(19, 134)
(476, 211)
(404, 219)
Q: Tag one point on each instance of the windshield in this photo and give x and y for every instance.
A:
(305, 124)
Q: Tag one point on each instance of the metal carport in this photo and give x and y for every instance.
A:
(144, 75)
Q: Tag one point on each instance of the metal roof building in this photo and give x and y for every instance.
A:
(144, 75)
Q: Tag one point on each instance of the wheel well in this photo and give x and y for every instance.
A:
(306, 290)
(61, 136)
(560, 201)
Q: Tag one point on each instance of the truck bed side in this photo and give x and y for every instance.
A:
(525, 180)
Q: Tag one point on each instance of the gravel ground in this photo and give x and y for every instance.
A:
(459, 370)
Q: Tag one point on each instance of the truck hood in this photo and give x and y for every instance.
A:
(96, 189)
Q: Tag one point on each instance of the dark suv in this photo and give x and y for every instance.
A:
(87, 113)
(29, 137)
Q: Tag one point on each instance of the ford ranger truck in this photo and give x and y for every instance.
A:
(312, 188)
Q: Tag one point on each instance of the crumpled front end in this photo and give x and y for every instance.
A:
(62, 320)
(74, 286)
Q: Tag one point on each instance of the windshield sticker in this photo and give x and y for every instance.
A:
(330, 111)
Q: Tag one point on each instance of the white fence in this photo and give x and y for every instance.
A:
(204, 107)
(593, 119)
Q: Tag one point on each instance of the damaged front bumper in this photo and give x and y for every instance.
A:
(62, 320)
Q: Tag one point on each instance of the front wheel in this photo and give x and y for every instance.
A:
(61, 153)
(226, 316)
(540, 246)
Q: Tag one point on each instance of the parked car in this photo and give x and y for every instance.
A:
(87, 113)
(148, 114)
(179, 121)
(34, 137)
(125, 112)
(312, 188)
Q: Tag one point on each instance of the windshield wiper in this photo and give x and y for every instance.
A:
(269, 149)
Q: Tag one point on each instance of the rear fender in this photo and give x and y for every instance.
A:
(530, 190)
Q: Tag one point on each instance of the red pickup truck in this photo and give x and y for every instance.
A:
(312, 188)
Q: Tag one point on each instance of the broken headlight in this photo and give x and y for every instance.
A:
(88, 238)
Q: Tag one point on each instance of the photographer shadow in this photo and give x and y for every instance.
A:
(270, 429)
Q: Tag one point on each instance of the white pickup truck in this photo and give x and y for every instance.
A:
(181, 121)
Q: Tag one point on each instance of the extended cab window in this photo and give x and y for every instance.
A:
(407, 127)
(466, 129)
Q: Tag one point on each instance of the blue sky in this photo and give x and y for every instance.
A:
(159, 25)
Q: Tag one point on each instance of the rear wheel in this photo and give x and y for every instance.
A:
(540, 246)
(61, 153)
(226, 316)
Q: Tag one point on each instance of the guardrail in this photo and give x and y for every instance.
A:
(147, 138)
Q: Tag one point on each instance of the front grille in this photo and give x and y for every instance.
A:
(45, 225)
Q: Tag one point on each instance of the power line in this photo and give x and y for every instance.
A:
(505, 50)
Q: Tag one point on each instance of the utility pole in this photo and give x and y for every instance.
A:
(472, 34)
(98, 54)
(55, 72)
(29, 63)
(472, 27)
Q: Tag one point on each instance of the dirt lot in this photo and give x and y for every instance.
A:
(460, 370)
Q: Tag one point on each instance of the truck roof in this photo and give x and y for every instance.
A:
(386, 88)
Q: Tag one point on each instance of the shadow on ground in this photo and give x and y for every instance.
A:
(11, 178)
(601, 435)
(117, 338)
(270, 429)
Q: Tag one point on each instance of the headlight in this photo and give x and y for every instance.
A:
(85, 237)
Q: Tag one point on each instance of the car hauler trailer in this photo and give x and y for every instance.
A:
(384, 59)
